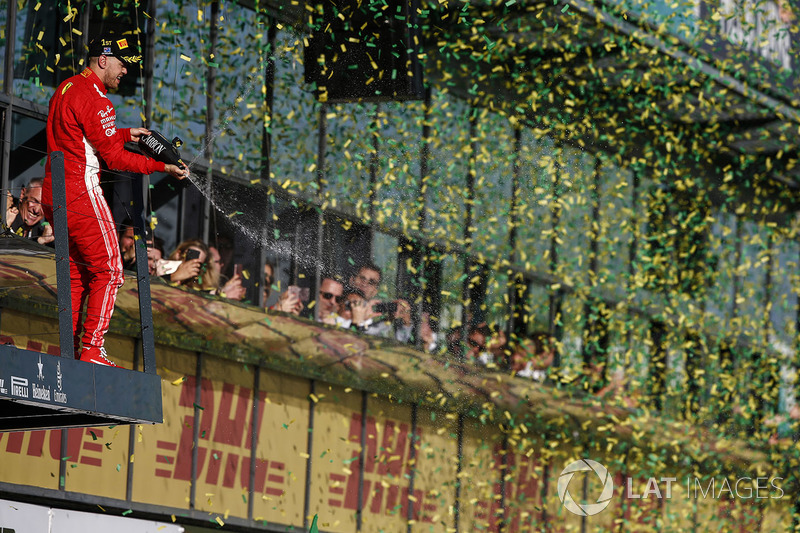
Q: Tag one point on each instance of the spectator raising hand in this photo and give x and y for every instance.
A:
(288, 302)
(193, 271)
(231, 289)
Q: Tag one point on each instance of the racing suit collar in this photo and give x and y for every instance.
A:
(90, 76)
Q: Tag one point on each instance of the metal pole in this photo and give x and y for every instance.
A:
(466, 296)
(268, 236)
(65, 333)
(143, 275)
(149, 61)
(424, 155)
(309, 452)
(362, 458)
(8, 84)
(513, 221)
(555, 324)
(208, 152)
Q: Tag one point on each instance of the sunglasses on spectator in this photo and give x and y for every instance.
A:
(328, 296)
(475, 344)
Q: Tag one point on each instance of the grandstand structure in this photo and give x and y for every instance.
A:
(622, 175)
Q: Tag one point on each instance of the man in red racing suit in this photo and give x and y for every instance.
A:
(82, 123)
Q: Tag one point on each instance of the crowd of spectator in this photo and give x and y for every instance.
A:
(349, 302)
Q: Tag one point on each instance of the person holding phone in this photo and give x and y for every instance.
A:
(232, 288)
(288, 301)
(193, 271)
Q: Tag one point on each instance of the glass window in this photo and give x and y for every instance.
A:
(783, 312)
(240, 105)
(40, 60)
(615, 210)
(167, 213)
(448, 163)
(536, 309)
(494, 174)
(496, 304)
(346, 245)
(28, 151)
(179, 74)
(571, 344)
(535, 201)
(400, 136)
(576, 179)
(294, 242)
(750, 299)
(350, 150)
(384, 252)
(636, 356)
(49, 44)
(452, 281)
(295, 120)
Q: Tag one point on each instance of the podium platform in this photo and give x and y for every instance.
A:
(42, 391)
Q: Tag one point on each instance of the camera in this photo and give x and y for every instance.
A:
(385, 308)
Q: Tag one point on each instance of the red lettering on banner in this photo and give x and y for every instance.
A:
(38, 347)
(14, 444)
(229, 425)
(523, 491)
(385, 454)
(261, 474)
(230, 471)
(230, 429)
(90, 446)
(36, 443)
(278, 479)
(214, 462)
(336, 488)
(34, 346)
(183, 457)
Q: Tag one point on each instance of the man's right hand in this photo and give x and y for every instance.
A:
(177, 172)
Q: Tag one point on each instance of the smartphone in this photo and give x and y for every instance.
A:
(385, 308)
(191, 253)
(238, 268)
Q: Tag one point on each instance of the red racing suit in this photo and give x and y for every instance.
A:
(82, 124)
